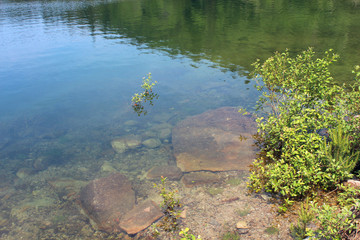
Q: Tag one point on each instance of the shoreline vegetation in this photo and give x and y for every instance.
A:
(309, 140)
(308, 135)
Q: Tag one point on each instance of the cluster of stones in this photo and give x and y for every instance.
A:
(217, 140)
(125, 143)
(110, 202)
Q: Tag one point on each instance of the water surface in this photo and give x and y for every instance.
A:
(68, 70)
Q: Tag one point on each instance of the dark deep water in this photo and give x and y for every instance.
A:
(68, 70)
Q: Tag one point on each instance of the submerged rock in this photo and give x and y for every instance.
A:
(107, 167)
(165, 133)
(199, 178)
(170, 172)
(23, 173)
(67, 188)
(41, 163)
(125, 143)
(216, 140)
(107, 199)
(152, 143)
(140, 217)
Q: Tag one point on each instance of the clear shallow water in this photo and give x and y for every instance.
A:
(68, 70)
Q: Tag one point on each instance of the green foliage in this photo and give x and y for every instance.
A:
(170, 206)
(338, 152)
(301, 103)
(185, 235)
(147, 95)
(306, 215)
(339, 222)
(334, 222)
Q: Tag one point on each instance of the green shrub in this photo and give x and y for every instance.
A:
(301, 103)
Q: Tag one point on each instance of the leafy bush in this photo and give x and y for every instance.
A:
(338, 222)
(307, 117)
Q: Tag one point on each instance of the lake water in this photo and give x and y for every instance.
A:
(68, 70)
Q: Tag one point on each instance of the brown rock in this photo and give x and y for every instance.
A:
(241, 225)
(140, 217)
(183, 214)
(353, 183)
(107, 199)
(199, 178)
(211, 141)
(170, 172)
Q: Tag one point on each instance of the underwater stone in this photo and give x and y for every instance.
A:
(199, 178)
(165, 133)
(107, 199)
(41, 163)
(170, 172)
(152, 143)
(140, 217)
(211, 141)
(107, 167)
(24, 173)
(122, 144)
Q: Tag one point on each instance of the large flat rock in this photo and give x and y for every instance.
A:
(170, 172)
(140, 217)
(211, 141)
(106, 200)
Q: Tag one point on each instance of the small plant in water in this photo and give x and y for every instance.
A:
(147, 95)
(170, 207)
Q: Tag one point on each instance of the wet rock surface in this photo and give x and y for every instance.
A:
(140, 217)
(216, 140)
(107, 199)
(199, 178)
(170, 172)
